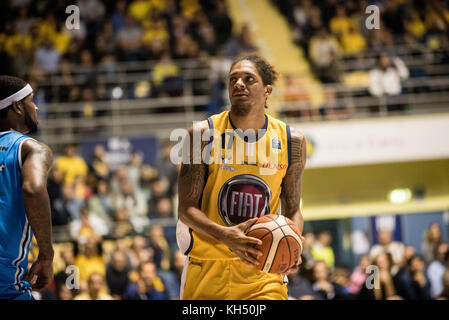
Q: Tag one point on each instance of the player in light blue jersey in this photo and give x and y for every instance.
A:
(24, 201)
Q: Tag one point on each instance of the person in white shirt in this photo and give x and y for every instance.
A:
(385, 80)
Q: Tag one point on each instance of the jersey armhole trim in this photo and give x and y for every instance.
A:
(19, 153)
(289, 146)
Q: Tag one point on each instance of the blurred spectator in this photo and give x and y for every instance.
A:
(164, 208)
(88, 224)
(385, 81)
(89, 257)
(352, 42)
(322, 286)
(129, 40)
(47, 57)
(359, 275)
(71, 164)
(135, 203)
(221, 22)
(96, 289)
(308, 259)
(218, 77)
(160, 247)
(99, 165)
(118, 16)
(63, 292)
(117, 274)
(322, 250)
(134, 170)
(436, 269)
(299, 287)
(433, 238)
(65, 208)
(324, 51)
(139, 252)
(166, 77)
(172, 278)
(420, 285)
(386, 289)
(148, 286)
(297, 99)
(333, 109)
(340, 23)
(386, 244)
(240, 44)
(445, 293)
(101, 203)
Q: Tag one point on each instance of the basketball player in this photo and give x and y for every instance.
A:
(24, 202)
(212, 224)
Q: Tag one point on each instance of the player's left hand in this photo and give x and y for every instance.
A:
(40, 273)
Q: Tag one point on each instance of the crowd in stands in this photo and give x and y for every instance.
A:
(331, 32)
(390, 270)
(36, 44)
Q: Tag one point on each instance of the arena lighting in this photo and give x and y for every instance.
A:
(400, 195)
(117, 93)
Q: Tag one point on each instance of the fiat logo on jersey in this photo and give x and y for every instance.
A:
(243, 197)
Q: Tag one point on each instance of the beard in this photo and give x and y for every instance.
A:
(241, 109)
(30, 123)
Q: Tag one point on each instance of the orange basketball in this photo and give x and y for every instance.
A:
(281, 244)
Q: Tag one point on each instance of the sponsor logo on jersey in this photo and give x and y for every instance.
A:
(243, 197)
(2, 167)
(2, 148)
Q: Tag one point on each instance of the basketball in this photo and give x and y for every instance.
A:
(281, 243)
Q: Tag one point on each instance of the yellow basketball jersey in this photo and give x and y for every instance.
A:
(244, 176)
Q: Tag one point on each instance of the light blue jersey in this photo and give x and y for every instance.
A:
(15, 231)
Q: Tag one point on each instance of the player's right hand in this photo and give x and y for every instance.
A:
(243, 246)
(40, 273)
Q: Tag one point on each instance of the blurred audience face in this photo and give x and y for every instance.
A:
(384, 61)
(148, 273)
(385, 237)
(70, 151)
(95, 283)
(127, 188)
(164, 207)
(441, 251)
(309, 239)
(364, 262)
(435, 232)
(416, 264)
(102, 187)
(139, 243)
(179, 261)
(68, 257)
(325, 238)
(383, 262)
(64, 293)
(118, 261)
(320, 271)
(156, 234)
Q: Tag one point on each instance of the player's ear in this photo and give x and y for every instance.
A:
(268, 90)
(17, 107)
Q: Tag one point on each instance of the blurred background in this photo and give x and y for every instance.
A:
(368, 88)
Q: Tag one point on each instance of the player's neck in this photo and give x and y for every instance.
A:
(7, 126)
(252, 120)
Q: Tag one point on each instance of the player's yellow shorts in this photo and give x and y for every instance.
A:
(229, 280)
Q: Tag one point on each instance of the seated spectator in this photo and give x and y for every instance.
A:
(433, 238)
(148, 286)
(436, 269)
(139, 252)
(353, 42)
(88, 224)
(135, 203)
(322, 250)
(101, 203)
(164, 208)
(322, 286)
(340, 23)
(386, 244)
(129, 40)
(359, 275)
(96, 289)
(99, 165)
(166, 77)
(383, 283)
(385, 81)
(47, 57)
(308, 260)
(172, 278)
(445, 293)
(297, 99)
(240, 44)
(160, 247)
(324, 52)
(89, 258)
(420, 285)
(299, 287)
(332, 109)
(117, 274)
(71, 164)
(66, 208)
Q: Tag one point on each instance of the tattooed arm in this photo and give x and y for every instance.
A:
(191, 181)
(291, 185)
